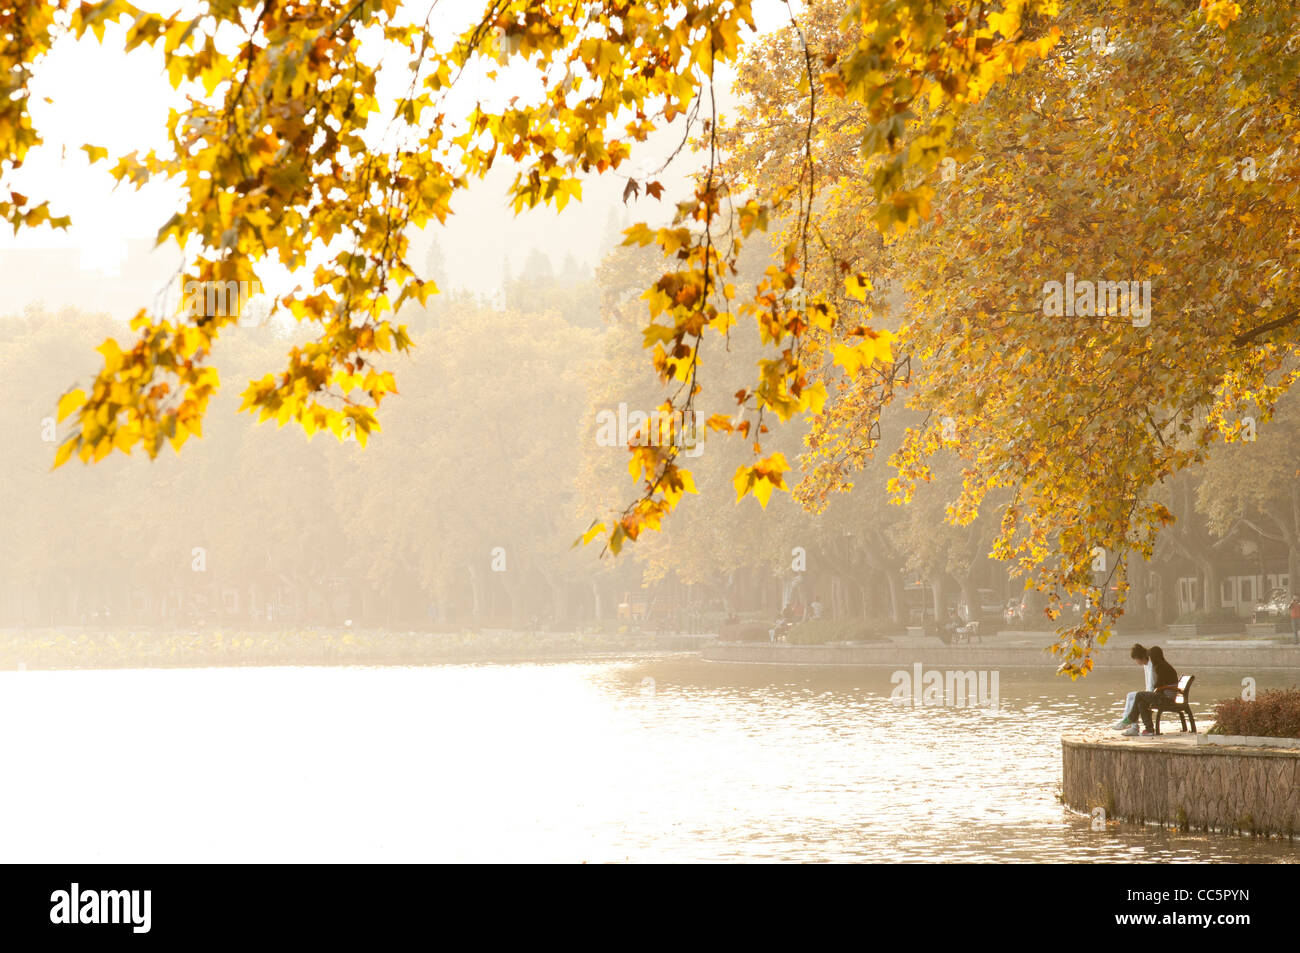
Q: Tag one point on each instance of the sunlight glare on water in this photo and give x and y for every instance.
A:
(574, 761)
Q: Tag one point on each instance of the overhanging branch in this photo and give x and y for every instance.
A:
(1246, 337)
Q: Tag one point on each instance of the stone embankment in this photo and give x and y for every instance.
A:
(1179, 780)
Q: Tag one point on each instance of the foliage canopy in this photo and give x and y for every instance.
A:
(970, 152)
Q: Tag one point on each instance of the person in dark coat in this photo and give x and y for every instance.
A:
(1166, 682)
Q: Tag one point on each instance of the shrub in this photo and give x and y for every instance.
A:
(1273, 714)
(821, 631)
(744, 632)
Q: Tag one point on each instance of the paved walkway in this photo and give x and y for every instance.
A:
(1182, 741)
(1166, 739)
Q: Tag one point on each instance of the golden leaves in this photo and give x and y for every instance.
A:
(64, 453)
(69, 402)
(112, 356)
(676, 482)
(1222, 13)
(876, 346)
(834, 85)
(856, 286)
(593, 531)
(761, 478)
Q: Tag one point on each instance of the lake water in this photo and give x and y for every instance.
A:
(566, 761)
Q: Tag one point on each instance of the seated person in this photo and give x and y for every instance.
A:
(1138, 654)
(1166, 682)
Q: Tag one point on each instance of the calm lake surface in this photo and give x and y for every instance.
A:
(563, 761)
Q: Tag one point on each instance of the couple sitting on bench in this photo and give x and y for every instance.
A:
(1162, 692)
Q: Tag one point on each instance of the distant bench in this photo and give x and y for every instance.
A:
(965, 632)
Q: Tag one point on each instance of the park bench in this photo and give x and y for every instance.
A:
(1180, 703)
(965, 632)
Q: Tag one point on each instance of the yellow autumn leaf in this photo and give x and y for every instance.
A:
(64, 452)
(763, 491)
(595, 530)
(813, 399)
(856, 286)
(70, 402)
(112, 356)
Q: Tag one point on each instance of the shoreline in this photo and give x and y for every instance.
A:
(86, 651)
(56, 650)
(1189, 657)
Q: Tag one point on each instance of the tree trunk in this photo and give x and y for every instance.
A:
(476, 592)
(897, 607)
(937, 589)
(966, 586)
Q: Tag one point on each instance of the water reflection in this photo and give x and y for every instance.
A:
(650, 759)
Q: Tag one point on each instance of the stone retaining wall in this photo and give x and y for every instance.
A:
(1178, 783)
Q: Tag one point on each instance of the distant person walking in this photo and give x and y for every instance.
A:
(1166, 682)
(1295, 619)
(1138, 654)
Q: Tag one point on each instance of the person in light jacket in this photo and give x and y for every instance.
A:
(1138, 654)
(1166, 681)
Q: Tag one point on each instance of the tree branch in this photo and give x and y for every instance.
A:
(1245, 337)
